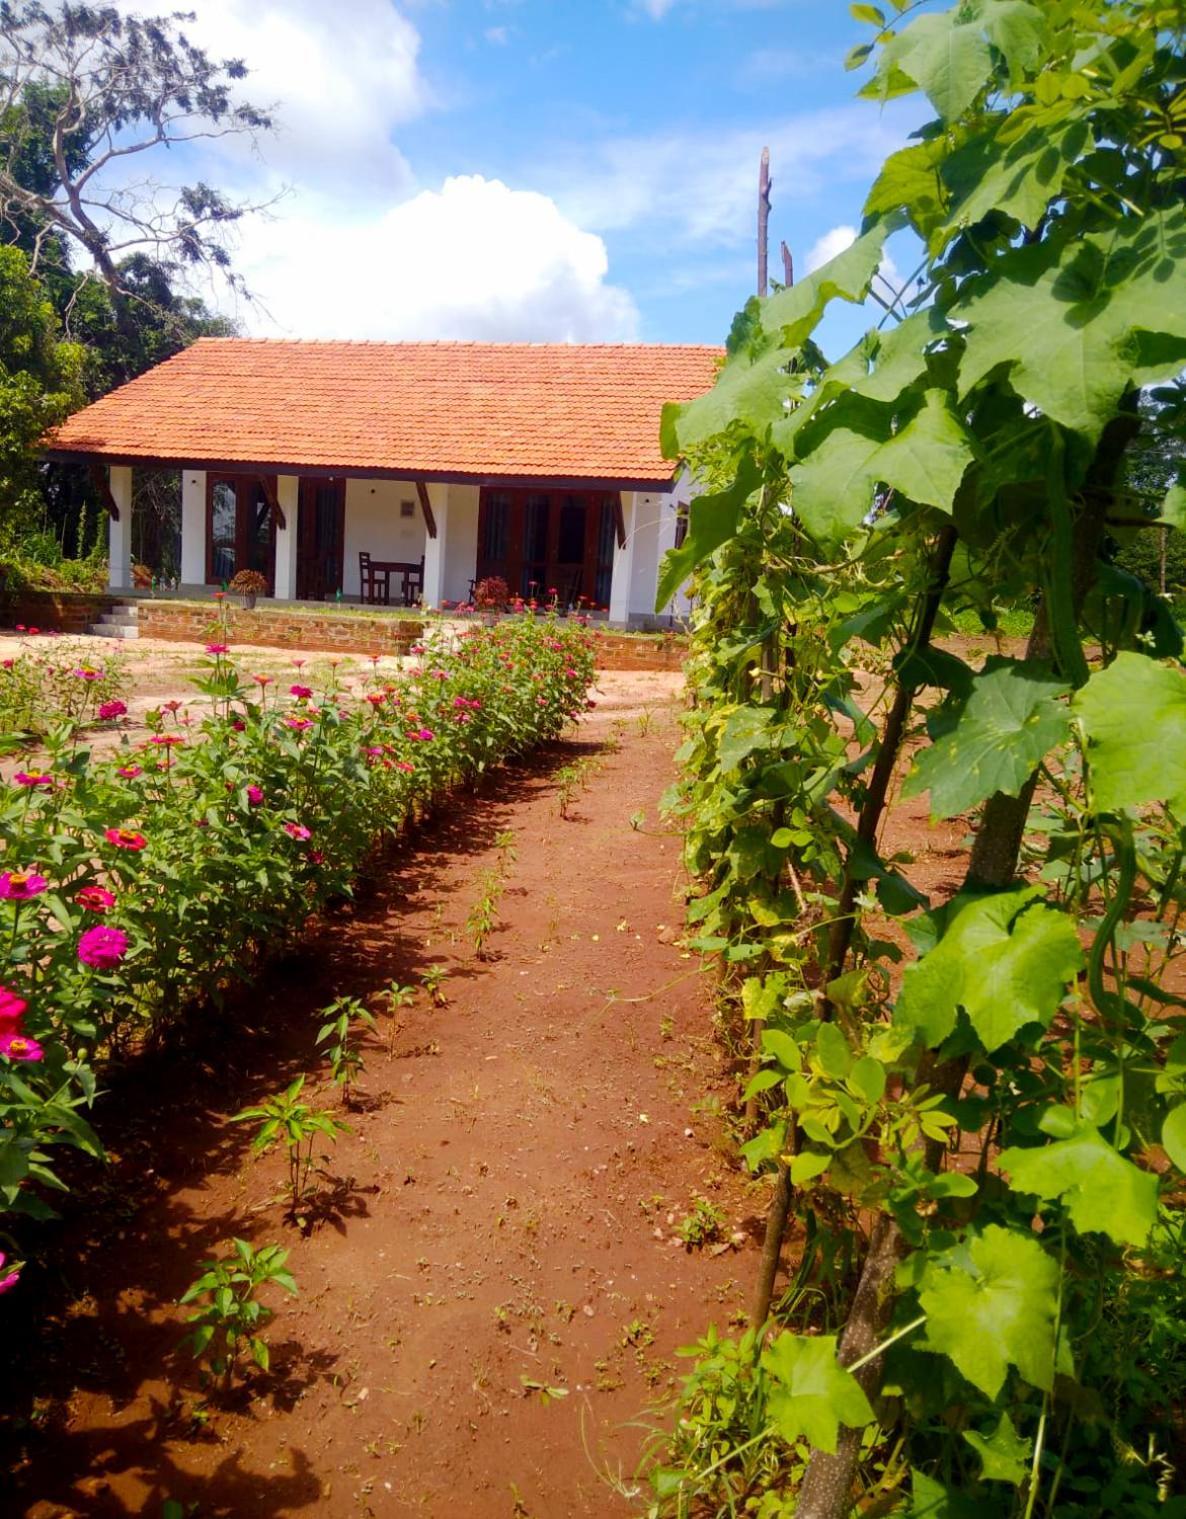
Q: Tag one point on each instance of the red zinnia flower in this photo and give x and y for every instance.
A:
(254, 796)
(87, 672)
(110, 709)
(298, 724)
(302, 693)
(167, 740)
(125, 838)
(20, 885)
(96, 899)
(102, 947)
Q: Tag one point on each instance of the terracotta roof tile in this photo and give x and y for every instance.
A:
(432, 410)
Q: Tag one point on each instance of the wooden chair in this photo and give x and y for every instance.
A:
(414, 584)
(373, 586)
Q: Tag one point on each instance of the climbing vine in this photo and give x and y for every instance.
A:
(971, 1104)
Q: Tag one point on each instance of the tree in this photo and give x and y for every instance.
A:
(40, 382)
(83, 90)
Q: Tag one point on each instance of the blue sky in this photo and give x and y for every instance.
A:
(539, 169)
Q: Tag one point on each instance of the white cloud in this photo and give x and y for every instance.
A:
(474, 259)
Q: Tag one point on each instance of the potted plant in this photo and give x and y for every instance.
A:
(491, 596)
(247, 585)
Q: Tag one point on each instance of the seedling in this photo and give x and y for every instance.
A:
(289, 1119)
(504, 842)
(483, 915)
(396, 996)
(432, 978)
(546, 1393)
(229, 1322)
(347, 1020)
(702, 1225)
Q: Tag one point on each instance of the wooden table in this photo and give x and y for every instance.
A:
(383, 569)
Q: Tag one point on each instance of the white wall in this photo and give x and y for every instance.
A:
(193, 528)
(374, 525)
(461, 541)
(649, 519)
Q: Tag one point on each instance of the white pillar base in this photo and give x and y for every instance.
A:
(119, 529)
(193, 527)
(289, 497)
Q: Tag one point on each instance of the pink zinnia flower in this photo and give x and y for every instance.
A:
(297, 831)
(12, 1010)
(167, 740)
(24, 778)
(302, 693)
(298, 664)
(254, 796)
(110, 709)
(218, 648)
(403, 765)
(102, 947)
(87, 672)
(96, 899)
(129, 772)
(20, 1047)
(171, 706)
(125, 838)
(9, 1279)
(297, 724)
(262, 680)
(20, 885)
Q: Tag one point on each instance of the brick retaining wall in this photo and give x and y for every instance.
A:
(279, 628)
(56, 611)
(662, 651)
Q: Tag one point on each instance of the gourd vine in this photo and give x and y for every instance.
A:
(971, 1099)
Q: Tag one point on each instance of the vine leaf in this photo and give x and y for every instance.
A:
(1134, 716)
(990, 1302)
(1006, 959)
(1011, 720)
(931, 1500)
(813, 1394)
(834, 484)
(1173, 1136)
(949, 60)
(1004, 1455)
(1019, 178)
(909, 180)
(712, 518)
(797, 309)
(1065, 320)
(756, 387)
(746, 729)
(1100, 1189)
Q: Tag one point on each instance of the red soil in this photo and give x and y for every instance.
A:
(505, 1207)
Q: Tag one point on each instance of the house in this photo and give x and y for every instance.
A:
(538, 463)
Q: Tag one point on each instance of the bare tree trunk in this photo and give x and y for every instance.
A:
(764, 186)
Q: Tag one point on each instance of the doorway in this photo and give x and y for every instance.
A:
(240, 529)
(321, 539)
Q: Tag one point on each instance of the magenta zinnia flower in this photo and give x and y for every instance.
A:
(20, 885)
(302, 693)
(297, 831)
(12, 1010)
(20, 1047)
(8, 1279)
(102, 947)
(125, 838)
(129, 772)
(24, 778)
(298, 724)
(254, 795)
(217, 648)
(96, 899)
(88, 673)
(110, 709)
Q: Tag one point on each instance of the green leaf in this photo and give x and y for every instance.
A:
(1173, 1136)
(754, 389)
(948, 59)
(832, 1051)
(807, 1165)
(712, 519)
(1020, 32)
(745, 730)
(1173, 508)
(1134, 716)
(990, 1303)
(1004, 1455)
(1063, 318)
(796, 311)
(910, 181)
(1100, 1189)
(834, 482)
(868, 1078)
(1019, 178)
(1006, 959)
(813, 1395)
(1011, 720)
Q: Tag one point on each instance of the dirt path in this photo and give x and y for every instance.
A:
(515, 1179)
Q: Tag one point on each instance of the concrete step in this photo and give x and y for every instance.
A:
(117, 622)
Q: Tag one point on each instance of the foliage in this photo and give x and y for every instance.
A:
(136, 885)
(228, 1323)
(55, 683)
(346, 1022)
(703, 1224)
(286, 1119)
(976, 1101)
(482, 919)
(248, 583)
(491, 594)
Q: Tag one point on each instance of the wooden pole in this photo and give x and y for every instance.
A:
(763, 219)
(788, 266)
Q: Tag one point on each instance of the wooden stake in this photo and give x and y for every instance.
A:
(764, 187)
(788, 266)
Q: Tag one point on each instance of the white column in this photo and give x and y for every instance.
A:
(623, 572)
(436, 555)
(119, 529)
(289, 496)
(193, 527)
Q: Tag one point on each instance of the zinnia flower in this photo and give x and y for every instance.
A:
(297, 831)
(262, 680)
(167, 740)
(125, 838)
(254, 796)
(24, 778)
(20, 1047)
(96, 899)
(218, 648)
(20, 885)
(102, 947)
(9, 1279)
(298, 724)
(87, 672)
(129, 772)
(12, 1010)
(302, 693)
(110, 709)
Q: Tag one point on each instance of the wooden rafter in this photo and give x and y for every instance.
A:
(103, 487)
(268, 485)
(430, 522)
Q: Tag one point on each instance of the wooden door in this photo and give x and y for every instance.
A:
(321, 539)
(240, 528)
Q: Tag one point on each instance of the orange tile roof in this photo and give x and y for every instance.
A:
(555, 411)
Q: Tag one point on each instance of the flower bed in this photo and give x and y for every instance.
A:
(57, 681)
(137, 886)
